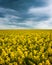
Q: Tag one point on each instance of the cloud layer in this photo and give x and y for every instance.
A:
(29, 14)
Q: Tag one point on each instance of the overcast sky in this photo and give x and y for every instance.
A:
(25, 14)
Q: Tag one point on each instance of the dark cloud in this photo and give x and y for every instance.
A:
(2, 15)
(21, 5)
(10, 10)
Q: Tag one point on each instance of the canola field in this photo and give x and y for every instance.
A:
(25, 47)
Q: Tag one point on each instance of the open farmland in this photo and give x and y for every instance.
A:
(25, 47)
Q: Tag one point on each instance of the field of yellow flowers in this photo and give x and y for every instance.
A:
(25, 47)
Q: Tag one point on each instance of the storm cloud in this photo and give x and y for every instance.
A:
(25, 14)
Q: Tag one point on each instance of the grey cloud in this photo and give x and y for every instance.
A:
(21, 5)
(15, 13)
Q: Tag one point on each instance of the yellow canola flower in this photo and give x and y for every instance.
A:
(1, 61)
(41, 40)
(36, 58)
(40, 64)
(43, 56)
(1, 40)
(42, 49)
(50, 51)
(35, 38)
(43, 63)
(7, 60)
(4, 52)
(20, 60)
(35, 51)
(15, 63)
(47, 62)
(29, 41)
(14, 41)
(12, 54)
(25, 53)
(6, 39)
(10, 64)
(20, 52)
